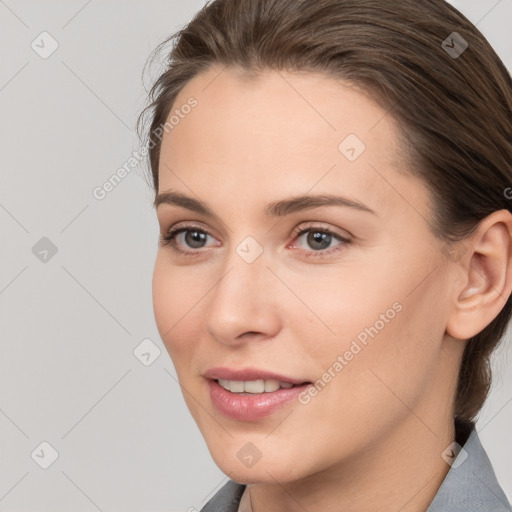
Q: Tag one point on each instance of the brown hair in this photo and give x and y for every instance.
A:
(454, 111)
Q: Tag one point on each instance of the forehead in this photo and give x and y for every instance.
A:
(284, 131)
(289, 108)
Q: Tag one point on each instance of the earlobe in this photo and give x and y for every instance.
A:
(487, 282)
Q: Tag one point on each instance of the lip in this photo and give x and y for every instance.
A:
(251, 407)
(254, 406)
(247, 374)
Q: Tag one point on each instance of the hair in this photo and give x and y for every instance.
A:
(454, 112)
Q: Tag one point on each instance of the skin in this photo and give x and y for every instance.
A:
(372, 439)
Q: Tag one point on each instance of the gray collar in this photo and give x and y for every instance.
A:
(470, 485)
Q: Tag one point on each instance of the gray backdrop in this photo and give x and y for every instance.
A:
(87, 422)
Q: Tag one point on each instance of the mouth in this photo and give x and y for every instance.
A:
(253, 400)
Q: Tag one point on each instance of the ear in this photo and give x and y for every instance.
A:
(485, 282)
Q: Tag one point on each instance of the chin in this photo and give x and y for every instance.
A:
(264, 474)
(236, 463)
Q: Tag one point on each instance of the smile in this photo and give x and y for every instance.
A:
(252, 400)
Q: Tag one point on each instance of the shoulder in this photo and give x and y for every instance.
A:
(471, 484)
(227, 499)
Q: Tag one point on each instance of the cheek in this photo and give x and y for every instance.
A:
(338, 306)
(175, 300)
(163, 298)
(376, 321)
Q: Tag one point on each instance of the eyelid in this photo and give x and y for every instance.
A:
(191, 225)
(322, 226)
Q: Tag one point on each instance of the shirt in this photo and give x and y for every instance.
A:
(469, 486)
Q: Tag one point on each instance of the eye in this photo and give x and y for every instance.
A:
(320, 239)
(191, 236)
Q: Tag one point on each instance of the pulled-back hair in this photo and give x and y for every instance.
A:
(453, 109)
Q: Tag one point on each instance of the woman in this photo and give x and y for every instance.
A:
(335, 265)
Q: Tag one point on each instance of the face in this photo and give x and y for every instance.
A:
(344, 299)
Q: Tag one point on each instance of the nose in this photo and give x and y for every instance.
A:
(243, 304)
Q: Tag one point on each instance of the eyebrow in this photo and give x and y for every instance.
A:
(275, 209)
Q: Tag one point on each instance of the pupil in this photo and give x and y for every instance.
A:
(193, 237)
(318, 237)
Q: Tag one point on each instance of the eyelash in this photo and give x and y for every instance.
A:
(168, 239)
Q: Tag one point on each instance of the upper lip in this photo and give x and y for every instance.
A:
(244, 374)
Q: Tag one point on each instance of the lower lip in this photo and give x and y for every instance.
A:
(251, 407)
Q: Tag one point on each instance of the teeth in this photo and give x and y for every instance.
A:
(224, 384)
(254, 386)
(270, 385)
(236, 386)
